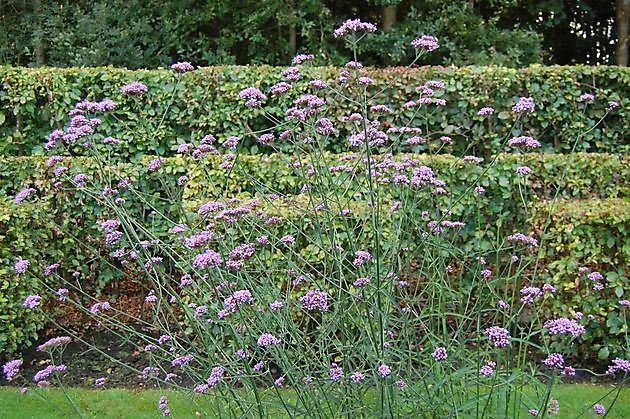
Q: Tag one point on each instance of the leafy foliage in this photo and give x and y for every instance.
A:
(34, 101)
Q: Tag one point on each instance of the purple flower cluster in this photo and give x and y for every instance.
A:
(488, 369)
(11, 368)
(32, 301)
(587, 97)
(41, 375)
(599, 409)
(134, 88)
(384, 370)
(315, 300)
(54, 342)
(353, 26)
(361, 257)
(523, 170)
(155, 164)
(301, 58)
(520, 237)
(98, 307)
(336, 372)
(499, 336)
(527, 142)
(182, 67)
(554, 360)
(619, 365)
(426, 42)
(183, 360)
(485, 111)
(253, 96)
(530, 294)
(357, 377)
(207, 259)
(440, 354)
(267, 339)
(564, 326)
(216, 375)
(23, 194)
(524, 104)
(280, 88)
(291, 73)
(20, 266)
(361, 282)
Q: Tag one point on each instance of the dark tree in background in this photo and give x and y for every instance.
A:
(155, 33)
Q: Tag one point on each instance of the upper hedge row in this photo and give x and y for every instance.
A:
(35, 101)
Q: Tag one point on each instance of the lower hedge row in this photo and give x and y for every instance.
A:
(55, 228)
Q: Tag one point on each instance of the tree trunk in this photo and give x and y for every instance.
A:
(292, 30)
(38, 44)
(389, 17)
(623, 24)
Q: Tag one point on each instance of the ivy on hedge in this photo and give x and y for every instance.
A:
(35, 101)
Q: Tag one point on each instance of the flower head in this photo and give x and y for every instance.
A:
(353, 26)
(253, 96)
(426, 42)
(134, 88)
(182, 67)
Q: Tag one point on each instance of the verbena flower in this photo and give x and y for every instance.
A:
(12, 368)
(357, 377)
(267, 339)
(32, 301)
(498, 336)
(488, 369)
(564, 326)
(599, 409)
(485, 111)
(554, 360)
(525, 141)
(336, 372)
(54, 342)
(618, 365)
(587, 98)
(134, 88)
(384, 370)
(23, 194)
(182, 67)
(20, 266)
(440, 354)
(315, 300)
(361, 257)
(524, 104)
(183, 360)
(253, 96)
(353, 26)
(301, 58)
(426, 42)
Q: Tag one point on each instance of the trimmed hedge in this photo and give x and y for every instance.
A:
(593, 234)
(35, 101)
(66, 230)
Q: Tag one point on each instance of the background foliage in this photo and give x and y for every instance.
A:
(152, 33)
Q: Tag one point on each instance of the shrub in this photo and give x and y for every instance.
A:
(34, 101)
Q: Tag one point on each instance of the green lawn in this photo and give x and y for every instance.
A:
(119, 403)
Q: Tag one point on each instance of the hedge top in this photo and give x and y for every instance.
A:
(35, 101)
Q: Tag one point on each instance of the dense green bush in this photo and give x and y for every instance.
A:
(35, 101)
(493, 215)
(593, 234)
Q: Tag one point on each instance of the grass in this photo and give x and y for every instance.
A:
(575, 400)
